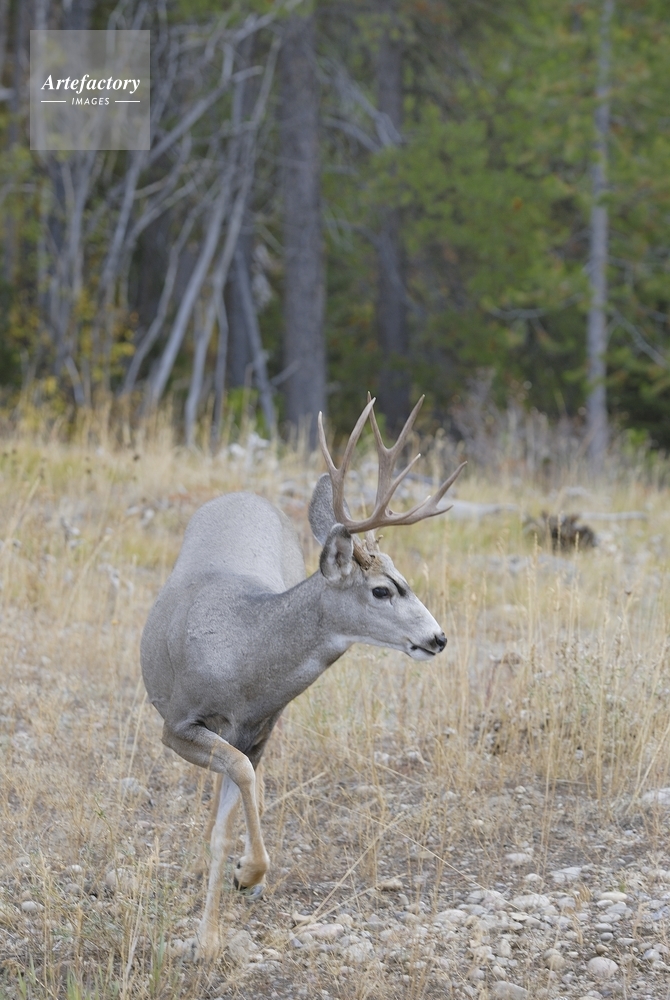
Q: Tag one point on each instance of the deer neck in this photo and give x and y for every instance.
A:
(300, 637)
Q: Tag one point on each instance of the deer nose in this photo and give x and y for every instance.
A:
(440, 641)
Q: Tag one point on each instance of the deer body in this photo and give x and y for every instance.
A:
(238, 632)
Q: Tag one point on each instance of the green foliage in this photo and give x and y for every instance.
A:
(493, 185)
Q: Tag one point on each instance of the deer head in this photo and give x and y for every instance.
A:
(379, 606)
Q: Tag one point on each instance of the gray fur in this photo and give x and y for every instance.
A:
(237, 632)
(321, 514)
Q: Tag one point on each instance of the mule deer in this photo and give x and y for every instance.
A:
(237, 632)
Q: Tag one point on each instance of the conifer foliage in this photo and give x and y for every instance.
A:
(350, 195)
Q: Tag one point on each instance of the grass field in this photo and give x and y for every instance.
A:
(410, 808)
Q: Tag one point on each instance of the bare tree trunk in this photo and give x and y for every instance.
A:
(254, 333)
(4, 11)
(304, 278)
(220, 370)
(240, 350)
(394, 382)
(202, 338)
(239, 341)
(238, 166)
(597, 322)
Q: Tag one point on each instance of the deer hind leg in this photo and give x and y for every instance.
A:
(214, 806)
(202, 747)
(221, 843)
(260, 788)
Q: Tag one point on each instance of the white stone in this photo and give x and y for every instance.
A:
(391, 885)
(658, 797)
(614, 896)
(451, 917)
(531, 901)
(517, 859)
(602, 968)
(564, 875)
(324, 932)
(504, 949)
(554, 960)
(239, 946)
(131, 786)
(120, 878)
(508, 991)
(358, 952)
(28, 906)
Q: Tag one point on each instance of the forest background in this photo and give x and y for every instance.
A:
(466, 199)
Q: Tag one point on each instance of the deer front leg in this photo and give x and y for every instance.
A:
(202, 747)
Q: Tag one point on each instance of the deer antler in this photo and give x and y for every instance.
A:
(386, 485)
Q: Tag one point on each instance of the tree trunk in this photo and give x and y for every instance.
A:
(304, 279)
(255, 343)
(597, 322)
(219, 371)
(240, 356)
(391, 308)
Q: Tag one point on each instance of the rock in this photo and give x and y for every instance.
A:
(451, 917)
(508, 991)
(602, 968)
(531, 901)
(483, 953)
(239, 947)
(651, 955)
(323, 932)
(564, 875)
(358, 952)
(476, 975)
(554, 960)
(186, 950)
(517, 859)
(391, 885)
(29, 906)
(614, 896)
(120, 879)
(73, 889)
(131, 786)
(504, 949)
(658, 797)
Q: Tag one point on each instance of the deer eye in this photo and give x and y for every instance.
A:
(381, 592)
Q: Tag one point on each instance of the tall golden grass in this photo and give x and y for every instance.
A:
(555, 679)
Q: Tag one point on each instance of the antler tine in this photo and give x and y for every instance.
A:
(386, 486)
(428, 507)
(387, 457)
(337, 476)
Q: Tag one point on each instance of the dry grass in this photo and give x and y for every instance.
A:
(555, 679)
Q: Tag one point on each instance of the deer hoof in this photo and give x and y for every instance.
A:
(252, 892)
(249, 878)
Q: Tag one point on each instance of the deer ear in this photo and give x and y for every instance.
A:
(337, 555)
(321, 514)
